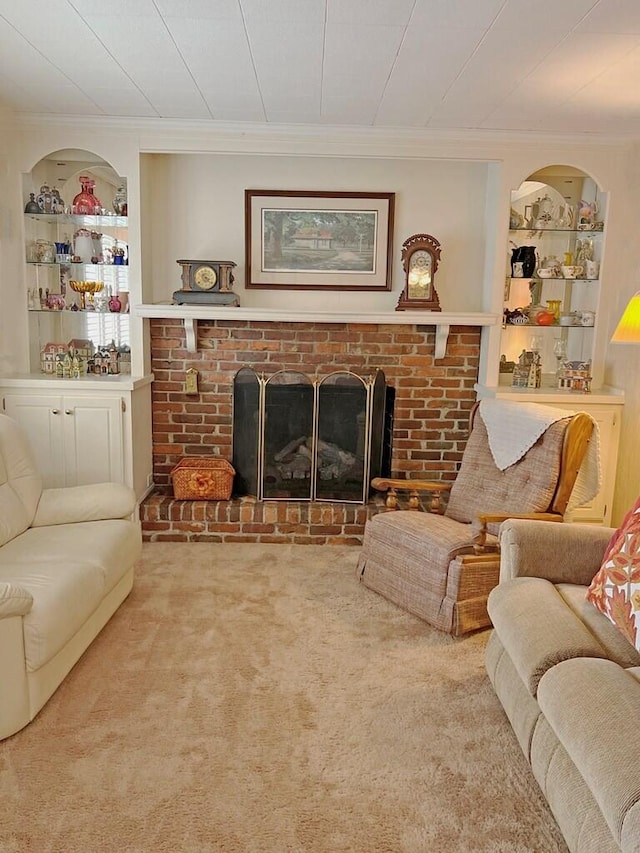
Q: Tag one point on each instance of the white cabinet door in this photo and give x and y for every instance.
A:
(607, 417)
(76, 440)
(92, 440)
(598, 510)
(41, 418)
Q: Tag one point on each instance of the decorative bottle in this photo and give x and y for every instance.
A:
(85, 202)
(32, 205)
(44, 199)
(115, 305)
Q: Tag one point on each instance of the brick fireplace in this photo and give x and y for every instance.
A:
(432, 403)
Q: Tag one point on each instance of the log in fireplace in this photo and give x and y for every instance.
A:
(315, 439)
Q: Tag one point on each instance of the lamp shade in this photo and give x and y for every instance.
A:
(628, 329)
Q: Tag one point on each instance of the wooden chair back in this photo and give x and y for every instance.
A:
(575, 443)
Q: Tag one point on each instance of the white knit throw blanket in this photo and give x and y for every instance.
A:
(512, 428)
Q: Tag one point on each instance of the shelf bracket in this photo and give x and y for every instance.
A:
(191, 333)
(442, 333)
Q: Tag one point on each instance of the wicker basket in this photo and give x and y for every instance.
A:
(201, 478)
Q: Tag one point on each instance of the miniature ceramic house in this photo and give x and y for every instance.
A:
(48, 355)
(81, 347)
(527, 373)
(106, 360)
(575, 376)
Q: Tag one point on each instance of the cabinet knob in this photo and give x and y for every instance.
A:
(55, 411)
(68, 412)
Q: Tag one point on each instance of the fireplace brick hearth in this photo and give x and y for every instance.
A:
(432, 403)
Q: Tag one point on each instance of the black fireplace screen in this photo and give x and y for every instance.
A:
(300, 439)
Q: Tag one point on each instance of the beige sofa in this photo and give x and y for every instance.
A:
(66, 564)
(569, 683)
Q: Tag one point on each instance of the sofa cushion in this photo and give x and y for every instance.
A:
(92, 502)
(67, 569)
(573, 805)
(420, 545)
(593, 707)
(615, 589)
(110, 545)
(538, 629)
(617, 647)
(20, 483)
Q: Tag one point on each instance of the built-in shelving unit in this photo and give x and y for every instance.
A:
(84, 427)
(558, 219)
(55, 256)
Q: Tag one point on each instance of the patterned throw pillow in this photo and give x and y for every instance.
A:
(615, 590)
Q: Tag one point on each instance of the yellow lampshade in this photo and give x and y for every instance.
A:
(628, 329)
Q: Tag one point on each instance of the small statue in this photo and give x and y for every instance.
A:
(584, 251)
(57, 204)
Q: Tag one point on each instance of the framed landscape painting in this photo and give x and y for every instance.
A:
(308, 240)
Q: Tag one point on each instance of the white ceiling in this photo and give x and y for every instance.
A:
(538, 65)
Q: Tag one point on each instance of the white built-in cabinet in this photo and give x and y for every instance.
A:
(92, 427)
(544, 213)
(76, 438)
(80, 436)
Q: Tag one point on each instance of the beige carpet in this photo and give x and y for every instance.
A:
(257, 698)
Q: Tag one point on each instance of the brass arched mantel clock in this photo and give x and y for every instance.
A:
(420, 258)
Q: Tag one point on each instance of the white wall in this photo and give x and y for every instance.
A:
(12, 289)
(195, 209)
(622, 361)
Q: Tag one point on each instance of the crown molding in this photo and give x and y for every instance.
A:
(158, 135)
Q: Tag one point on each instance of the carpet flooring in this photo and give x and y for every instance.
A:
(258, 699)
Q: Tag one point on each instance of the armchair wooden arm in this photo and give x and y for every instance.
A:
(484, 519)
(414, 487)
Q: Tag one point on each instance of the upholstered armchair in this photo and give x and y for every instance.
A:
(441, 565)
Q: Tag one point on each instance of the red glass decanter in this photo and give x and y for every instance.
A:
(86, 202)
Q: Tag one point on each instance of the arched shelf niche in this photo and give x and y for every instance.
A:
(553, 264)
(64, 245)
(61, 170)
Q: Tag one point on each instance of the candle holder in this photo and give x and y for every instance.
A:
(560, 352)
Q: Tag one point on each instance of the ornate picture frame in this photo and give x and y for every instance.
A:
(316, 240)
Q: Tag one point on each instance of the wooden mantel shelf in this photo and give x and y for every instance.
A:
(190, 314)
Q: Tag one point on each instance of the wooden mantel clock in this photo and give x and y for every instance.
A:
(420, 257)
(206, 282)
